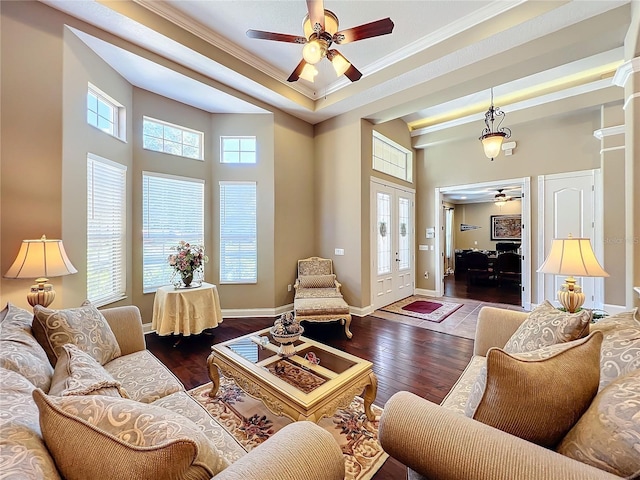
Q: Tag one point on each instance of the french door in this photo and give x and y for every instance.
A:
(392, 235)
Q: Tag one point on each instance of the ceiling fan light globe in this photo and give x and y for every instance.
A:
(492, 143)
(340, 64)
(309, 73)
(313, 51)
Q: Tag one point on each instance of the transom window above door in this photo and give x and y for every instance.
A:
(392, 158)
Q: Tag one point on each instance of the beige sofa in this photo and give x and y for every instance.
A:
(299, 451)
(441, 442)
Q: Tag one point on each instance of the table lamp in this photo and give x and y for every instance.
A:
(572, 256)
(41, 259)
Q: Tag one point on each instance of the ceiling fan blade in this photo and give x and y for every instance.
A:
(353, 74)
(295, 75)
(316, 14)
(368, 30)
(278, 37)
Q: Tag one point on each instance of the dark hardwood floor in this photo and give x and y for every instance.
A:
(456, 285)
(404, 357)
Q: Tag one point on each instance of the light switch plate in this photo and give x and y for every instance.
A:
(339, 251)
(423, 247)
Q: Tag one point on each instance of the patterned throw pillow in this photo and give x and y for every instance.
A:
(318, 281)
(19, 350)
(84, 326)
(143, 441)
(608, 434)
(78, 373)
(620, 346)
(546, 325)
(539, 395)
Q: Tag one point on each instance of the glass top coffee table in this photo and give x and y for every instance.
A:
(293, 386)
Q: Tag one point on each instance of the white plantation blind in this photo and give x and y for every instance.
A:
(172, 210)
(106, 228)
(238, 233)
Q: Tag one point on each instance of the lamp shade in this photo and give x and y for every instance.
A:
(41, 258)
(492, 143)
(573, 257)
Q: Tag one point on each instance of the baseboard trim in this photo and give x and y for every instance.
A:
(361, 311)
(427, 293)
(613, 309)
(256, 312)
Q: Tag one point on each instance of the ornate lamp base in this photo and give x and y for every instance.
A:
(571, 300)
(41, 294)
(571, 296)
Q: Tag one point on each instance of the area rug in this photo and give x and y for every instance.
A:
(251, 423)
(418, 307)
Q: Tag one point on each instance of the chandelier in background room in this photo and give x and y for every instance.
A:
(493, 135)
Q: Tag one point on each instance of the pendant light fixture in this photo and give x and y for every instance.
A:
(493, 135)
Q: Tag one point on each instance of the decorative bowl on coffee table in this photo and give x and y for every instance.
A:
(286, 341)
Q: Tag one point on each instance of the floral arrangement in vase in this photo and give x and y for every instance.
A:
(187, 260)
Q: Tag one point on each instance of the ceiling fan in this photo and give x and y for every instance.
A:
(501, 198)
(320, 32)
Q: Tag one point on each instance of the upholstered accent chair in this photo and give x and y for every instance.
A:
(318, 297)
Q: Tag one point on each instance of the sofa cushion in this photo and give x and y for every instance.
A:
(78, 373)
(539, 395)
(19, 350)
(456, 399)
(620, 346)
(142, 441)
(23, 453)
(318, 293)
(308, 307)
(546, 325)
(84, 326)
(143, 376)
(607, 436)
(187, 406)
(317, 281)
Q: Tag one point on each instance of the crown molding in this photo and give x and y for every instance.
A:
(609, 131)
(166, 11)
(625, 70)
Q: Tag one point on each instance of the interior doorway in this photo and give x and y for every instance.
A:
(469, 219)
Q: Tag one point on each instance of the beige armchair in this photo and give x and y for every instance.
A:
(318, 297)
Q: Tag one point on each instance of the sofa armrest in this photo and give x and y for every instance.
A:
(126, 324)
(300, 451)
(495, 327)
(440, 444)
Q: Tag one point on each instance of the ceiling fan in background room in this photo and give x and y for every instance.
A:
(501, 198)
(320, 32)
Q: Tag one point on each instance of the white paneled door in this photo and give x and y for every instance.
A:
(569, 207)
(392, 243)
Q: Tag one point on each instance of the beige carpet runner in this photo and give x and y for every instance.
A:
(419, 307)
(251, 423)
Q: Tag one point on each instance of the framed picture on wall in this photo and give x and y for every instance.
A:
(506, 227)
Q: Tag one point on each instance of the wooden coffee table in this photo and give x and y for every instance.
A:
(293, 386)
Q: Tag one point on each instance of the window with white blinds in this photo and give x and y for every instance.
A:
(172, 210)
(238, 233)
(106, 229)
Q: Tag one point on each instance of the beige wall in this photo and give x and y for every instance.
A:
(338, 201)
(31, 132)
(295, 225)
(44, 181)
(81, 66)
(479, 214)
(542, 148)
(613, 168)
